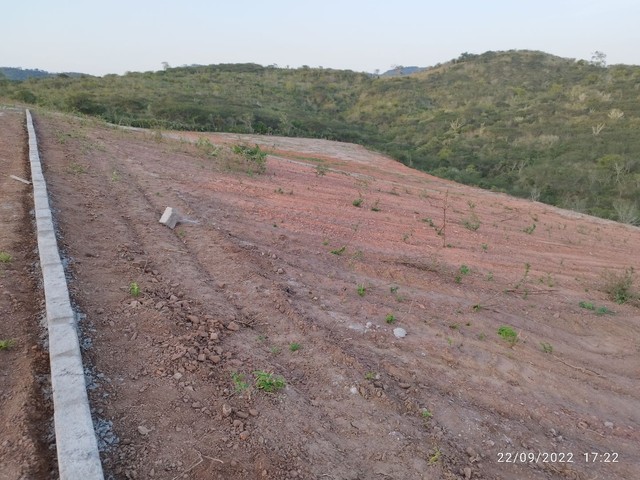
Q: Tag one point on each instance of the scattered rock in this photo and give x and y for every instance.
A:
(226, 410)
(399, 332)
(144, 430)
(242, 414)
(467, 473)
(233, 326)
(177, 375)
(608, 424)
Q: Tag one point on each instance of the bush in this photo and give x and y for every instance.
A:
(619, 286)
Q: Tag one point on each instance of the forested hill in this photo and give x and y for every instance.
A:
(526, 123)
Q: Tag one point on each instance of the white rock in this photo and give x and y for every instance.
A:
(399, 332)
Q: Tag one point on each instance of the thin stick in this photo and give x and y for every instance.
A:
(585, 370)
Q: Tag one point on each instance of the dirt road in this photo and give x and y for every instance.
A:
(304, 272)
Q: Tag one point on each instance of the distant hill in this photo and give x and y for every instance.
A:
(399, 71)
(19, 74)
(527, 123)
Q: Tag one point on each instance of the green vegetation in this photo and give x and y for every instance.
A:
(619, 286)
(134, 289)
(390, 319)
(362, 290)
(6, 344)
(530, 124)
(587, 305)
(339, 251)
(463, 271)
(239, 382)
(255, 157)
(5, 257)
(370, 376)
(508, 334)
(294, 347)
(357, 202)
(426, 414)
(268, 382)
(546, 347)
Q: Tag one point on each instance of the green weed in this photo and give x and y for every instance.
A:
(5, 257)
(294, 347)
(339, 251)
(508, 334)
(357, 202)
(239, 382)
(390, 319)
(6, 344)
(134, 289)
(268, 382)
(546, 347)
(362, 290)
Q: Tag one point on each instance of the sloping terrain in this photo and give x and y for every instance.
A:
(304, 272)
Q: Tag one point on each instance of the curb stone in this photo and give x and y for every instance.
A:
(76, 442)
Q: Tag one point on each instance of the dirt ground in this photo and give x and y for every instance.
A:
(25, 412)
(304, 272)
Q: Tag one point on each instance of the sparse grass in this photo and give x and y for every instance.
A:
(485, 247)
(508, 334)
(362, 290)
(546, 347)
(268, 382)
(6, 344)
(426, 414)
(134, 289)
(394, 289)
(275, 350)
(433, 459)
(357, 202)
(375, 207)
(294, 347)
(619, 286)
(255, 157)
(587, 305)
(370, 375)
(5, 257)
(462, 271)
(604, 311)
(530, 229)
(321, 170)
(239, 382)
(390, 319)
(339, 251)
(77, 169)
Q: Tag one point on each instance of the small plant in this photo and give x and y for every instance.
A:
(508, 334)
(429, 221)
(268, 382)
(603, 311)
(390, 319)
(426, 414)
(325, 242)
(134, 289)
(239, 382)
(294, 347)
(477, 307)
(394, 289)
(77, 169)
(370, 376)
(454, 326)
(619, 286)
(485, 247)
(6, 344)
(321, 170)
(546, 347)
(472, 223)
(362, 290)
(339, 251)
(490, 276)
(374, 207)
(256, 157)
(357, 202)
(181, 233)
(5, 257)
(530, 229)
(433, 459)
(115, 176)
(275, 350)
(482, 336)
(587, 305)
(462, 271)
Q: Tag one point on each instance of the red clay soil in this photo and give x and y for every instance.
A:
(25, 410)
(304, 272)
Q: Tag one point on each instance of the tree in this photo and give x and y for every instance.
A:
(599, 59)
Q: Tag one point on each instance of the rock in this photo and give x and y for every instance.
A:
(244, 435)
(100, 311)
(214, 358)
(253, 412)
(233, 326)
(399, 332)
(404, 385)
(144, 430)
(170, 218)
(202, 357)
(177, 375)
(213, 336)
(196, 405)
(471, 452)
(608, 424)
(280, 271)
(242, 414)
(467, 473)
(226, 410)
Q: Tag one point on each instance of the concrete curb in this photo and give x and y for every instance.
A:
(76, 443)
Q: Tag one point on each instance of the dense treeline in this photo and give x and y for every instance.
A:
(526, 123)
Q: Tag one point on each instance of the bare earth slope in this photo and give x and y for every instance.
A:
(227, 295)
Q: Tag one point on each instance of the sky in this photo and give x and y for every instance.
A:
(99, 37)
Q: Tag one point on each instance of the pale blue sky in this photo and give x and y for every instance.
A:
(114, 36)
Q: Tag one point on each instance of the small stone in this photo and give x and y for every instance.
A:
(100, 311)
(404, 385)
(144, 430)
(244, 435)
(467, 473)
(196, 405)
(242, 414)
(221, 285)
(202, 357)
(280, 271)
(608, 424)
(226, 410)
(233, 326)
(253, 412)
(193, 319)
(399, 332)
(177, 375)
(213, 336)
(471, 452)
(214, 358)
(238, 425)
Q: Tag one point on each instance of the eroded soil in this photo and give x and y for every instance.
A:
(228, 292)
